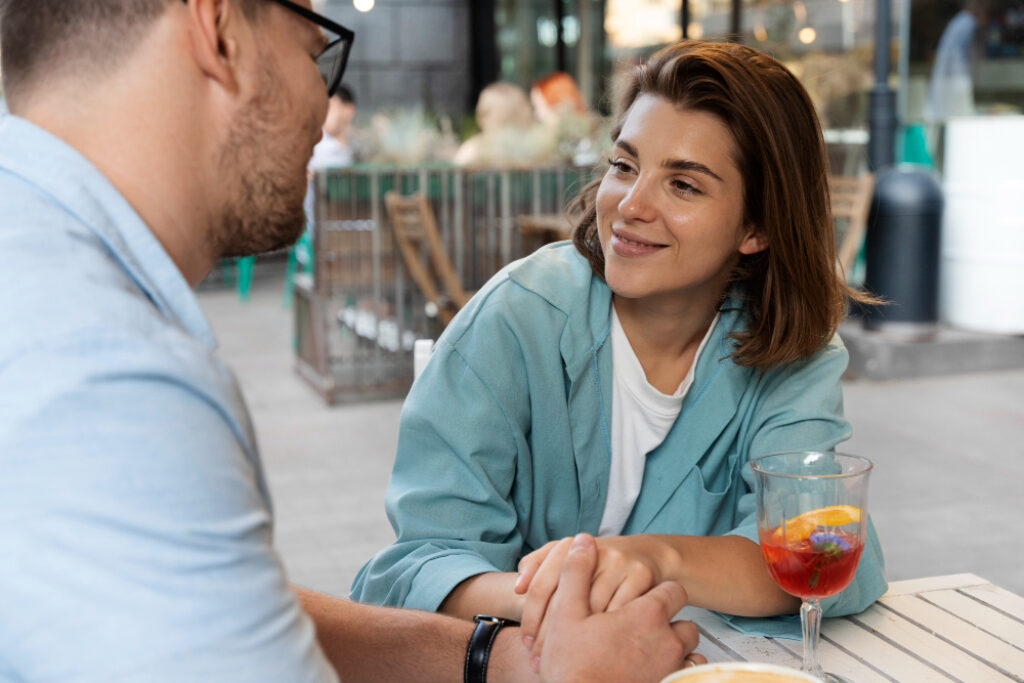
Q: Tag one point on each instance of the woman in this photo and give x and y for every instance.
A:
(619, 384)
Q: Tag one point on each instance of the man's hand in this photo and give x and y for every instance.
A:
(636, 642)
(627, 567)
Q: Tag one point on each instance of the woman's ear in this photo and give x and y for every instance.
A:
(754, 241)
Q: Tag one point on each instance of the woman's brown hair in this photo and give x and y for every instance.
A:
(792, 293)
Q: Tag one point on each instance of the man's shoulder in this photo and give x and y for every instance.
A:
(80, 322)
(58, 281)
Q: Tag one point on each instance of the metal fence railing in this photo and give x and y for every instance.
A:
(357, 312)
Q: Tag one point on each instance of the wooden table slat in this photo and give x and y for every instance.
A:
(940, 628)
(710, 649)
(746, 647)
(1000, 598)
(970, 638)
(910, 637)
(934, 583)
(896, 663)
(840, 662)
(979, 614)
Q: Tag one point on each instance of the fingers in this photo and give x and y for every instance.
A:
(689, 636)
(529, 565)
(638, 580)
(571, 601)
(577, 572)
(670, 595)
(694, 659)
(547, 578)
(542, 637)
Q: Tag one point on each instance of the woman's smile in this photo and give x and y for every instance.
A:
(628, 244)
(672, 191)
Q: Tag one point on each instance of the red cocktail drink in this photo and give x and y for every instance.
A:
(811, 524)
(814, 567)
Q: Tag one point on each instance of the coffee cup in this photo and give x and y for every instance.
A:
(740, 672)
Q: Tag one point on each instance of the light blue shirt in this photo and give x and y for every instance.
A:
(135, 523)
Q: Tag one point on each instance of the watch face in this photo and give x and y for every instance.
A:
(488, 619)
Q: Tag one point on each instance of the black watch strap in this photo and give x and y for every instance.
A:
(478, 652)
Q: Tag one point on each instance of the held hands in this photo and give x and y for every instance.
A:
(627, 568)
(635, 642)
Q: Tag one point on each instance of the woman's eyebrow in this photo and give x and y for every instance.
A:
(674, 164)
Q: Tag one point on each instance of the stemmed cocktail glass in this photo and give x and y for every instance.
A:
(811, 521)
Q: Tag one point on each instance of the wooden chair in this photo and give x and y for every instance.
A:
(851, 201)
(415, 230)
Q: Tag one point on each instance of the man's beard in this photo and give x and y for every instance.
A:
(265, 211)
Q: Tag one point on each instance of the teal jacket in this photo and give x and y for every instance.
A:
(504, 439)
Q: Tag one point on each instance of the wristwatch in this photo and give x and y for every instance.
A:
(478, 652)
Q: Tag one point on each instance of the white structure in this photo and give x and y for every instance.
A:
(982, 271)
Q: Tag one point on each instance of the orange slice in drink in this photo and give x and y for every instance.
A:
(803, 525)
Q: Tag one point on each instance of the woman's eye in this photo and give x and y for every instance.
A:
(684, 187)
(620, 166)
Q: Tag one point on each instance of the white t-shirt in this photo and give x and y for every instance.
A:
(331, 152)
(641, 418)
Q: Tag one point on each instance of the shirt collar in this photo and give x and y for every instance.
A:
(72, 182)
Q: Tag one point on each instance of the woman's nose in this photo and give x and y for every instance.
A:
(637, 202)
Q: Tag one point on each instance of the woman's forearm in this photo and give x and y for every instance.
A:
(723, 573)
(488, 593)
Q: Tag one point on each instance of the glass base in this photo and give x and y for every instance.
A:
(832, 678)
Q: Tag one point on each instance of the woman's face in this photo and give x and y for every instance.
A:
(670, 207)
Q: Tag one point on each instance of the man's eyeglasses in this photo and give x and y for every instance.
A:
(332, 59)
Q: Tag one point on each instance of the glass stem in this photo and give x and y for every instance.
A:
(810, 620)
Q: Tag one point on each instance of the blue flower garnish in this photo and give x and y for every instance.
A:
(830, 543)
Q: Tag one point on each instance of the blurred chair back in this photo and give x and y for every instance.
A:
(851, 201)
(416, 233)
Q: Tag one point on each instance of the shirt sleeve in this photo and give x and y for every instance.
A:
(135, 538)
(800, 407)
(450, 494)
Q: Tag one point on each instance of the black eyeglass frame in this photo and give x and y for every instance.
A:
(344, 35)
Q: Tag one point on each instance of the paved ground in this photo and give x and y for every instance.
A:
(947, 493)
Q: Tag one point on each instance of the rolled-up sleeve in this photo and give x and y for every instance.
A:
(449, 498)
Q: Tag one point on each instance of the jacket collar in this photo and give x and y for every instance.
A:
(708, 408)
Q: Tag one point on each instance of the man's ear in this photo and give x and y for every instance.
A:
(754, 240)
(214, 26)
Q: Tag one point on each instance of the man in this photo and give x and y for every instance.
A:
(335, 148)
(950, 89)
(146, 140)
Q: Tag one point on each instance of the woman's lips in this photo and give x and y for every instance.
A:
(626, 244)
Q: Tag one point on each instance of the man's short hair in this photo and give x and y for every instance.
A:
(45, 39)
(345, 94)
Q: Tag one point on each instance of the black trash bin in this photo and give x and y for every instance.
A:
(902, 251)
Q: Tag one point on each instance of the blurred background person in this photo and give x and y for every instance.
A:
(336, 148)
(509, 133)
(555, 95)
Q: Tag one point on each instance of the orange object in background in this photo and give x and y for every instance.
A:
(554, 94)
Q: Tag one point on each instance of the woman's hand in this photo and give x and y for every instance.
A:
(628, 567)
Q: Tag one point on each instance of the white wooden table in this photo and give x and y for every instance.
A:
(958, 627)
